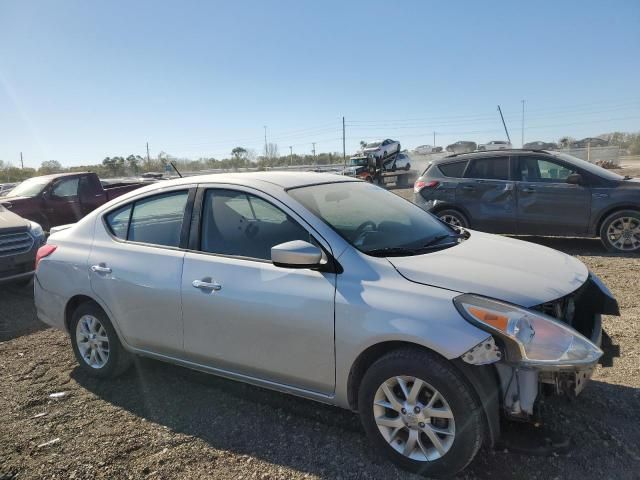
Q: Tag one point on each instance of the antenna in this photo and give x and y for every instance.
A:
(504, 124)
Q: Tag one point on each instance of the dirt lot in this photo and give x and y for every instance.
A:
(160, 421)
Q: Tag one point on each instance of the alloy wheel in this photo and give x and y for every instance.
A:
(451, 220)
(624, 233)
(414, 418)
(92, 341)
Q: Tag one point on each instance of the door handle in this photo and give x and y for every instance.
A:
(102, 268)
(469, 188)
(202, 285)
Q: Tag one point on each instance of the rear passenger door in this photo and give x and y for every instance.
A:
(487, 195)
(547, 204)
(135, 268)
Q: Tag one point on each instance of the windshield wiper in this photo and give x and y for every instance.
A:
(432, 244)
(391, 251)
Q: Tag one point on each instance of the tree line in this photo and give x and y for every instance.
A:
(240, 158)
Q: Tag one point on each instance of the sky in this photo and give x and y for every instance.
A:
(82, 80)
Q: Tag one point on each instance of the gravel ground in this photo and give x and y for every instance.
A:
(161, 421)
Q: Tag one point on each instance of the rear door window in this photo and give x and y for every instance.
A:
(496, 168)
(455, 169)
(156, 220)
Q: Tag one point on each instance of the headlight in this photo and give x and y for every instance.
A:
(530, 337)
(36, 229)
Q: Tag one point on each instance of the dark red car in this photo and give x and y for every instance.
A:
(62, 198)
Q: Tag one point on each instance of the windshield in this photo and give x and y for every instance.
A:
(589, 167)
(29, 188)
(373, 219)
(358, 162)
(373, 145)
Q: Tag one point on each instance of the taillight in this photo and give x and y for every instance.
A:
(44, 251)
(420, 184)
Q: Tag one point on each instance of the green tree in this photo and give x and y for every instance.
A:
(49, 166)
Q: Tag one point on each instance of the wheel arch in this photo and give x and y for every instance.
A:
(611, 211)
(73, 303)
(483, 380)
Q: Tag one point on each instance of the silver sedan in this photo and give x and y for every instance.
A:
(331, 289)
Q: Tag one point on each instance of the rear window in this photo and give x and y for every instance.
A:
(455, 169)
(489, 168)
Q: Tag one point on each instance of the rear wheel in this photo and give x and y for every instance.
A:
(417, 410)
(620, 232)
(95, 342)
(454, 218)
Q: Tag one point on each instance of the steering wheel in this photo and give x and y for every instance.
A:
(361, 230)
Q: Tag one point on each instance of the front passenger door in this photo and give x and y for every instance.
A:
(547, 204)
(250, 317)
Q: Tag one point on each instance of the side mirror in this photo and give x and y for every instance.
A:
(575, 179)
(296, 254)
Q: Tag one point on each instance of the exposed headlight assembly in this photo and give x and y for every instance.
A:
(530, 338)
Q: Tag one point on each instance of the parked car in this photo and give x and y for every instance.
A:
(534, 193)
(423, 149)
(6, 188)
(538, 145)
(399, 162)
(335, 290)
(61, 198)
(589, 142)
(461, 147)
(19, 242)
(382, 148)
(427, 149)
(495, 145)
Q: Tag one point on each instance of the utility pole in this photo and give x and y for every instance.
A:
(21, 161)
(265, 142)
(315, 161)
(344, 148)
(504, 124)
(434, 139)
(522, 146)
(148, 157)
(290, 155)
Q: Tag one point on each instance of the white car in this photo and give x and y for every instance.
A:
(496, 145)
(423, 149)
(381, 148)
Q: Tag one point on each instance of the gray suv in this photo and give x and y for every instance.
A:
(533, 192)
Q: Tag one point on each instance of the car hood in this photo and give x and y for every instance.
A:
(10, 222)
(512, 270)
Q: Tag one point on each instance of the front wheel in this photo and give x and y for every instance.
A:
(418, 410)
(620, 232)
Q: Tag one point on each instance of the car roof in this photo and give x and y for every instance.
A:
(490, 153)
(284, 180)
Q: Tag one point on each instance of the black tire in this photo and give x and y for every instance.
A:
(441, 375)
(608, 242)
(368, 179)
(407, 167)
(118, 361)
(450, 214)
